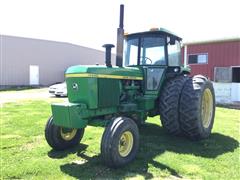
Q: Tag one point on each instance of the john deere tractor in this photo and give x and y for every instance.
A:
(152, 82)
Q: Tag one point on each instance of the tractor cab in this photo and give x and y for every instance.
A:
(157, 47)
(157, 53)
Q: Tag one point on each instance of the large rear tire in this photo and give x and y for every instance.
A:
(169, 104)
(120, 142)
(60, 138)
(197, 108)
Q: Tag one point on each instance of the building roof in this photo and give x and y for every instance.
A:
(46, 41)
(213, 41)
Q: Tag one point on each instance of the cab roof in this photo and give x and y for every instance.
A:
(156, 31)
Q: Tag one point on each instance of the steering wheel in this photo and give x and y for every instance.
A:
(147, 58)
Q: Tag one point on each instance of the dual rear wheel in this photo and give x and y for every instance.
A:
(187, 106)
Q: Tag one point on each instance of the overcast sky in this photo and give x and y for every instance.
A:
(93, 22)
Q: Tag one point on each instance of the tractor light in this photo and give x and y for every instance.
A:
(154, 29)
(176, 70)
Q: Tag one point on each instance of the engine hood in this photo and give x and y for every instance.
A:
(104, 72)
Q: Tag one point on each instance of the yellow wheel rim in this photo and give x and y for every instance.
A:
(125, 143)
(68, 134)
(207, 107)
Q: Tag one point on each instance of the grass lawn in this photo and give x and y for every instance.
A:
(26, 155)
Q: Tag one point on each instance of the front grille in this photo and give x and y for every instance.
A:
(108, 92)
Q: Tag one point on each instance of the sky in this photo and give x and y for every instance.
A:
(93, 23)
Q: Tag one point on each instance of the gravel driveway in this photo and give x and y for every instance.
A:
(11, 96)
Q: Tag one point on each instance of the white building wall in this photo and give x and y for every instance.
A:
(235, 92)
(226, 92)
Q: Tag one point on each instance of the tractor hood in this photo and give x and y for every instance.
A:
(104, 72)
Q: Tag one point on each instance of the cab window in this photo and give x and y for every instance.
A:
(174, 53)
(152, 51)
(145, 51)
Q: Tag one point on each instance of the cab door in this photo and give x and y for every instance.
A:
(153, 60)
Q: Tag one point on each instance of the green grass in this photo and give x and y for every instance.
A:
(26, 155)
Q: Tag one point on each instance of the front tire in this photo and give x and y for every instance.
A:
(120, 142)
(60, 138)
(197, 108)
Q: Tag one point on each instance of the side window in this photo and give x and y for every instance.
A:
(131, 52)
(133, 55)
(198, 58)
(174, 54)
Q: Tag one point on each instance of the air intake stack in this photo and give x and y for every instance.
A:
(108, 54)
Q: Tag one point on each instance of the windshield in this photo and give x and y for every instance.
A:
(151, 51)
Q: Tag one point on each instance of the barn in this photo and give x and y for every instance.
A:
(219, 60)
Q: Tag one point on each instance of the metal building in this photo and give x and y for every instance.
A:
(25, 61)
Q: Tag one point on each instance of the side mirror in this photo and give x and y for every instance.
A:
(172, 41)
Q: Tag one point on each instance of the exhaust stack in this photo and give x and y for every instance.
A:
(120, 39)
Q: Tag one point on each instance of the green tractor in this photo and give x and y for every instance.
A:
(152, 82)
